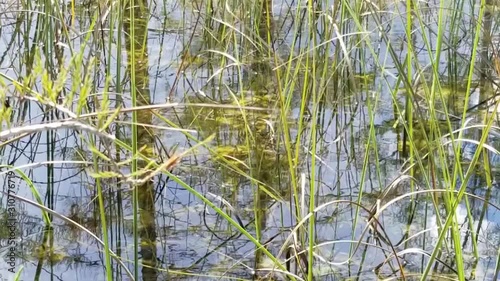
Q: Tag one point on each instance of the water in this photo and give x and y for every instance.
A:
(244, 169)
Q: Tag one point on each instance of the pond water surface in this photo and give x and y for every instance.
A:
(233, 121)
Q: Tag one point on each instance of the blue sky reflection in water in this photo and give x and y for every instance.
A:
(190, 237)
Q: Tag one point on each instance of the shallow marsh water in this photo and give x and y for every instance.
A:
(181, 59)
